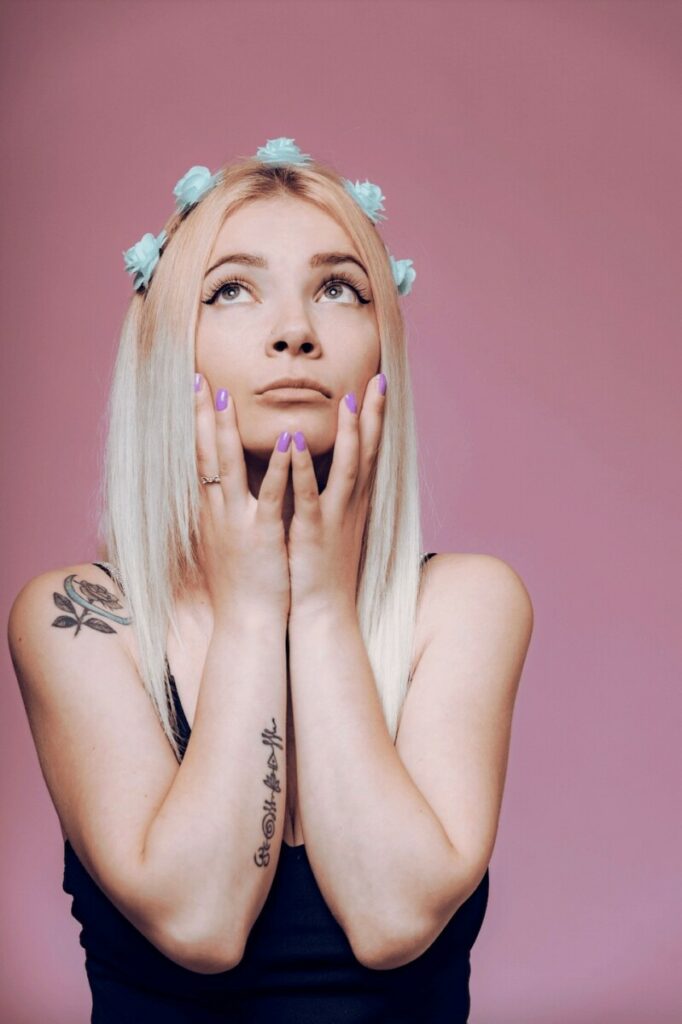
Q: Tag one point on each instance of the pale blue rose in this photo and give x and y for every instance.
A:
(142, 257)
(281, 151)
(368, 196)
(193, 186)
(403, 275)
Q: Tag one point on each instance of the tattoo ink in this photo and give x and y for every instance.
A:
(268, 824)
(90, 596)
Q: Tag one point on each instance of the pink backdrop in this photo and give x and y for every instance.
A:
(530, 155)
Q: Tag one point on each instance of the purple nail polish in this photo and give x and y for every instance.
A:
(350, 401)
(221, 399)
(299, 441)
(197, 381)
(381, 384)
(284, 441)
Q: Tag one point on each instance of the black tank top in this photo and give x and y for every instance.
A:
(298, 966)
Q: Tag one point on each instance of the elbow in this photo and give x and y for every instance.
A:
(389, 954)
(200, 950)
(385, 948)
(400, 938)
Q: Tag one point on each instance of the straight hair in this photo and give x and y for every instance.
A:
(149, 495)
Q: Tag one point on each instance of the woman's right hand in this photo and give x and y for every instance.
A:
(242, 544)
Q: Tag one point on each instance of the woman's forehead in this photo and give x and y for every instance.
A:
(270, 222)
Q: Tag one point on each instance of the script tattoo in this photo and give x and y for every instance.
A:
(91, 597)
(272, 740)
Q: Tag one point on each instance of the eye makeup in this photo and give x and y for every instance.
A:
(338, 278)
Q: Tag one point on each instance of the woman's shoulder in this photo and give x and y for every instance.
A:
(70, 598)
(78, 581)
(468, 562)
(448, 576)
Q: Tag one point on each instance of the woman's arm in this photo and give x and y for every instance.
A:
(216, 838)
(393, 863)
(172, 846)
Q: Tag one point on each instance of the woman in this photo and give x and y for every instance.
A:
(295, 822)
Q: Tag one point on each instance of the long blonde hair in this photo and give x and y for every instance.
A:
(150, 491)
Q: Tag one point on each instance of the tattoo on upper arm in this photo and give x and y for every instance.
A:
(272, 740)
(91, 597)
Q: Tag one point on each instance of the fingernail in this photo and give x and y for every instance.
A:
(381, 384)
(221, 399)
(284, 441)
(299, 441)
(197, 381)
(350, 401)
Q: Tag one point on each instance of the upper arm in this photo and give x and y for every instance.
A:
(102, 751)
(455, 728)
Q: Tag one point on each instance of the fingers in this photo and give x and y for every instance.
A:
(207, 456)
(274, 483)
(357, 445)
(371, 428)
(220, 452)
(229, 447)
(304, 481)
(219, 447)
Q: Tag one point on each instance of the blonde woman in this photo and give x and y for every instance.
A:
(275, 735)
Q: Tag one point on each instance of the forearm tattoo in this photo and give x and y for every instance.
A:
(92, 598)
(268, 824)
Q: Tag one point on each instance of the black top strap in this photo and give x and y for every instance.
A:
(106, 569)
(183, 724)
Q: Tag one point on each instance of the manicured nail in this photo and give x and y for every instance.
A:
(350, 401)
(381, 384)
(221, 399)
(299, 441)
(197, 381)
(284, 441)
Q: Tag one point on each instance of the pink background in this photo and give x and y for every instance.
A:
(530, 155)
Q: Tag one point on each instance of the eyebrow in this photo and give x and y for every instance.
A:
(320, 259)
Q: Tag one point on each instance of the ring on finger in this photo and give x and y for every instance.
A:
(210, 479)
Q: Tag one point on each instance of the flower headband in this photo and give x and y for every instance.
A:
(141, 259)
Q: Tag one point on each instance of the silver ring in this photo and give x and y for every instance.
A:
(210, 479)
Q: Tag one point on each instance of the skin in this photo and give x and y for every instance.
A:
(290, 320)
(288, 326)
(423, 811)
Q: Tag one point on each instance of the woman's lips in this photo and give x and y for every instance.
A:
(279, 395)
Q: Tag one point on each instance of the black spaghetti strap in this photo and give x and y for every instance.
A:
(177, 703)
(107, 570)
(183, 724)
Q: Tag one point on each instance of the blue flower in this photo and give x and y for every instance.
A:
(193, 186)
(403, 275)
(281, 151)
(368, 196)
(142, 257)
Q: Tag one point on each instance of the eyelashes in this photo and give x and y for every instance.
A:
(222, 285)
(333, 279)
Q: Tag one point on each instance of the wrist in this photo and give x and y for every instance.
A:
(246, 616)
(332, 606)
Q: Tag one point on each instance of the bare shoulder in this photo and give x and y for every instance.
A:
(455, 569)
(479, 588)
(78, 601)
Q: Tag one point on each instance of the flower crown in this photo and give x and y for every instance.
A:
(141, 259)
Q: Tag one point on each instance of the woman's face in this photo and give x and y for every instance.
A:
(281, 320)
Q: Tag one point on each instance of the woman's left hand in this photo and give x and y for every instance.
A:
(326, 530)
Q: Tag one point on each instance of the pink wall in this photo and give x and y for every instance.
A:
(530, 155)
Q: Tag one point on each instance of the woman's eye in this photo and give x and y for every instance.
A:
(339, 287)
(226, 290)
(338, 284)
